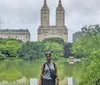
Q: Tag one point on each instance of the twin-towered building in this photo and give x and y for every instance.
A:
(59, 30)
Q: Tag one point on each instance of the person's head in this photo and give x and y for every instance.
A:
(48, 56)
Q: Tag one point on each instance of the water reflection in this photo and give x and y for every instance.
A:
(33, 81)
(11, 71)
(22, 81)
(70, 81)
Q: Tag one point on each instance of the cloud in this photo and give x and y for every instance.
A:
(26, 14)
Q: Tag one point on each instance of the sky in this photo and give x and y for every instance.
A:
(22, 14)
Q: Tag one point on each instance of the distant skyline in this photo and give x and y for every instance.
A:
(22, 14)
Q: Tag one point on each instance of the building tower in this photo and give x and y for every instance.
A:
(60, 15)
(0, 24)
(45, 15)
(46, 30)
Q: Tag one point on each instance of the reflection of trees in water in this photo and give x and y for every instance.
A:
(77, 70)
(64, 81)
(72, 70)
(60, 68)
(14, 70)
(9, 70)
(68, 68)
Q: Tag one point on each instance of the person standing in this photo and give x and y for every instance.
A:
(49, 75)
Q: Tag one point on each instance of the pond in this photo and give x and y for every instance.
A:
(13, 70)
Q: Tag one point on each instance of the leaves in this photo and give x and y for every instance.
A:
(88, 48)
(30, 50)
(9, 47)
(56, 48)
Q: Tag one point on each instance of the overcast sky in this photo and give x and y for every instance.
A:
(21, 14)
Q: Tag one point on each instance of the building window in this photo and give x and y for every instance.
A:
(26, 36)
(60, 16)
(16, 36)
(44, 16)
(9, 36)
(44, 12)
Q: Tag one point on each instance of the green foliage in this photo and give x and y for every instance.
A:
(12, 47)
(56, 48)
(2, 56)
(91, 30)
(91, 70)
(9, 47)
(34, 50)
(31, 50)
(58, 51)
(87, 44)
(58, 40)
(87, 48)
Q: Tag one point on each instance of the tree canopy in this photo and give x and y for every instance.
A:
(34, 50)
(88, 48)
(9, 47)
(12, 48)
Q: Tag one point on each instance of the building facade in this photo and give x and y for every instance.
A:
(21, 34)
(47, 31)
(77, 36)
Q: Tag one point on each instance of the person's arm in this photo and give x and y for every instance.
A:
(41, 73)
(57, 79)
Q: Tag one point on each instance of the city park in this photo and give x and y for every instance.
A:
(18, 59)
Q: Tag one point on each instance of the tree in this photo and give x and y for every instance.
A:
(57, 40)
(31, 50)
(88, 48)
(91, 69)
(91, 30)
(9, 47)
(87, 43)
(12, 47)
(2, 56)
(34, 50)
(56, 48)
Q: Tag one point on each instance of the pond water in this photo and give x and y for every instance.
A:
(14, 70)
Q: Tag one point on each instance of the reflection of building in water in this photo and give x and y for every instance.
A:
(70, 81)
(21, 34)
(22, 81)
(59, 30)
(33, 81)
